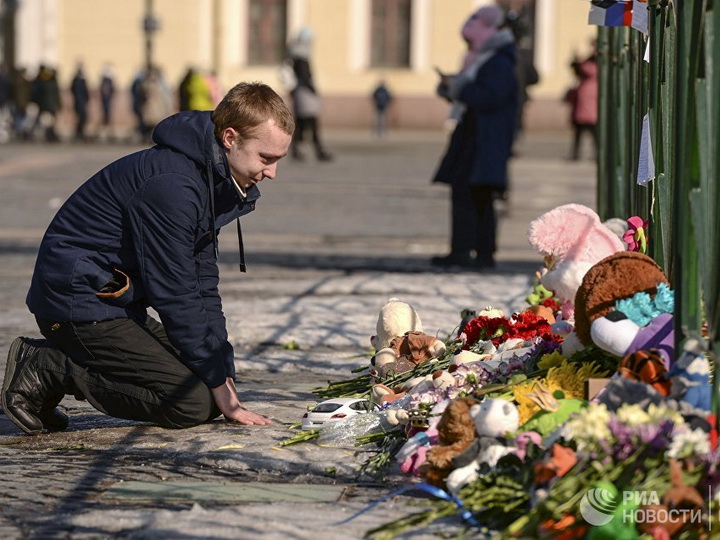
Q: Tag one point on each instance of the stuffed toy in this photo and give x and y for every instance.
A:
(624, 306)
(572, 239)
(395, 319)
(456, 431)
(690, 377)
(405, 352)
(646, 366)
(494, 419)
(413, 454)
(617, 277)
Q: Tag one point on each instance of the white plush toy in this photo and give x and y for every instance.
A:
(395, 319)
(494, 419)
(572, 239)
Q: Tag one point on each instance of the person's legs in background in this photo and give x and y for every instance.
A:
(465, 231)
(483, 197)
(300, 125)
(320, 152)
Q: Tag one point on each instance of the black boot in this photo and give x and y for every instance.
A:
(25, 400)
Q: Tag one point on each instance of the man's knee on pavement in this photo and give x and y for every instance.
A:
(194, 409)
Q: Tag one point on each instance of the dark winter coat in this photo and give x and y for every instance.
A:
(482, 141)
(142, 232)
(80, 93)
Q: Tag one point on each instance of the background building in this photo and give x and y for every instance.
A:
(357, 42)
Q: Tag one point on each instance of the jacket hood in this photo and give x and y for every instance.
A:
(192, 134)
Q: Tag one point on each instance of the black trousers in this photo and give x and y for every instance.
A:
(125, 369)
(466, 234)
(483, 197)
(301, 126)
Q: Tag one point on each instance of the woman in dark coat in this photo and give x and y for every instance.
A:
(485, 100)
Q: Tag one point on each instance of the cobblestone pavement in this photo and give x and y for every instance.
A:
(327, 246)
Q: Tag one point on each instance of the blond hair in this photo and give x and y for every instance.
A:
(246, 106)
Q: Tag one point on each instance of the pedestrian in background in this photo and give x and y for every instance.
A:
(136, 96)
(306, 101)
(81, 97)
(5, 103)
(107, 94)
(143, 233)
(199, 95)
(155, 101)
(484, 96)
(21, 98)
(184, 91)
(45, 92)
(382, 98)
(583, 101)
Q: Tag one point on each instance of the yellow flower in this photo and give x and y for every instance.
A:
(571, 377)
(632, 415)
(567, 377)
(550, 360)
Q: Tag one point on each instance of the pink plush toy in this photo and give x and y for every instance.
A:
(572, 239)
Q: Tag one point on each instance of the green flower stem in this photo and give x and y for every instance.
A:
(419, 519)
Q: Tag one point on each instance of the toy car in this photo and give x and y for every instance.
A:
(334, 410)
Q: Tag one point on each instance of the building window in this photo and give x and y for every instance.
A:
(267, 31)
(390, 36)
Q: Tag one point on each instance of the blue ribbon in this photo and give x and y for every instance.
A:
(465, 514)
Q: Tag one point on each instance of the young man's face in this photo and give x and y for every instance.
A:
(255, 159)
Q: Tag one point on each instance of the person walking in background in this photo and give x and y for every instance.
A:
(136, 96)
(583, 101)
(45, 93)
(21, 96)
(199, 96)
(155, 101)
(184, 92)
(107, 93)
(306, 102)
(484, 95)
(143, 233)
(5, 102)
(382, 98)
(81, 97)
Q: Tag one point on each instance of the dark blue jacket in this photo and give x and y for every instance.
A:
(148, 216)
(482, 142)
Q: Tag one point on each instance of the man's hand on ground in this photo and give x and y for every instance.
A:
(228, 403)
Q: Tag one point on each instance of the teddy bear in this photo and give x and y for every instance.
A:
(456, 431)
(395, 319)
(572, 239)
(624, 305)
(405, 352)
(494, 420)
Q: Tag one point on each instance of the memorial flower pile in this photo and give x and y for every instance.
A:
(573, 418)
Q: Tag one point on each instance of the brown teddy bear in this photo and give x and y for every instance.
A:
(406, 352)
(615, 277)
(456, 431)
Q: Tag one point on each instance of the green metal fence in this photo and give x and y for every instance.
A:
(679, 89)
